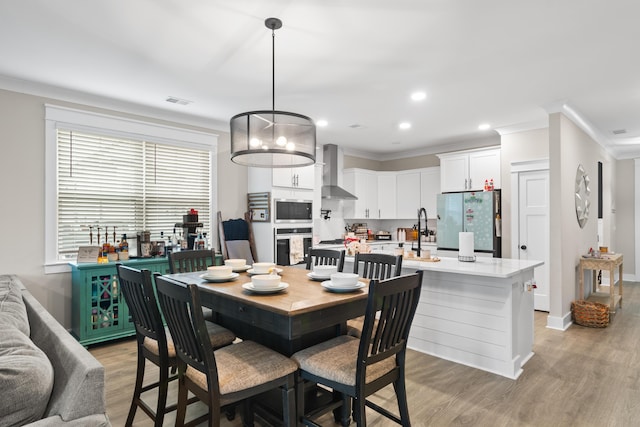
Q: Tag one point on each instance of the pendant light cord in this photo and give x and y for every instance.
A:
(273, 70)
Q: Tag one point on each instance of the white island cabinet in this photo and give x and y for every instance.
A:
(478, 314)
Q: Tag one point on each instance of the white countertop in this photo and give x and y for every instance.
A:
(488, 267)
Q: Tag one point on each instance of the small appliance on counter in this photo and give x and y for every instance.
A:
(383, 235)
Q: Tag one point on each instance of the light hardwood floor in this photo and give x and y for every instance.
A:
(580, 377)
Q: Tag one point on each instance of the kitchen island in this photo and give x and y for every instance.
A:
(478, 313)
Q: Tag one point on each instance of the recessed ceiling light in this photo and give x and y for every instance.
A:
(484, 126)
(418, 96)
(322, 123)
(404, 125)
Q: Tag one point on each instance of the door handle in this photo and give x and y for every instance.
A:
(523, 247)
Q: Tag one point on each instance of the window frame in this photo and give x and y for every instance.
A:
(117, 126)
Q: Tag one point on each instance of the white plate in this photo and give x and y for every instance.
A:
(313, 276)
(249, 286)
(241, 269)
(251, 272)
(232, 276)
(330, 287)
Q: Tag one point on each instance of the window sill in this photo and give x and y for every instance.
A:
(57, 267)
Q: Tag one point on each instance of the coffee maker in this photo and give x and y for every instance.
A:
(190, 227)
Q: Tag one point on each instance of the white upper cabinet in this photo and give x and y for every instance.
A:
(387, 195)
(429, 190)
(301, 178)
(363, 184)
(408, 196)
(468, 170)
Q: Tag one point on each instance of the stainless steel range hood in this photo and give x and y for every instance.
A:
(330, 188)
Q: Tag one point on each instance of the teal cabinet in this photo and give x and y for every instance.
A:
(99, 310)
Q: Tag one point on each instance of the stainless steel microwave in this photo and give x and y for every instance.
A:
(292, 210)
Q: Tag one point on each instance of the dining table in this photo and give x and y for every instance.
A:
(302, 314)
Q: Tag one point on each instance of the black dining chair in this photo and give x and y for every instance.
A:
(355, 368)
(373, 266)
(236, 373)
(190, 260)
(154, 343)
(325, 257)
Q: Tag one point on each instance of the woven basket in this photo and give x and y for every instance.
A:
(591, 314)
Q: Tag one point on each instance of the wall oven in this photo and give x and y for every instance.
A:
(292, 210)
(292, 244)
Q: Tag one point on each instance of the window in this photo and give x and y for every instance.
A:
(113, 172)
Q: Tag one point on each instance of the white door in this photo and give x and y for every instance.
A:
(533, 235)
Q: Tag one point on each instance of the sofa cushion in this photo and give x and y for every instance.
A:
(12, 308)
(26, 372)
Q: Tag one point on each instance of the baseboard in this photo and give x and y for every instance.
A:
(559, 323)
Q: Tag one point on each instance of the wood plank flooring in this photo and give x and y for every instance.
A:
(580, 377)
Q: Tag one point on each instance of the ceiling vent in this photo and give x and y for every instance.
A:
(174, 100)
(619, 131)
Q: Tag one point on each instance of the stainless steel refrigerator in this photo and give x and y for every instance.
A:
(474, 211)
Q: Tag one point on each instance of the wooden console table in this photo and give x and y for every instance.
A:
(608, 262)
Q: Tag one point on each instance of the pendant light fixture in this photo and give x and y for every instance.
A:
(271, 138)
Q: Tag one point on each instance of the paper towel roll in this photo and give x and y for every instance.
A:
(465, 241)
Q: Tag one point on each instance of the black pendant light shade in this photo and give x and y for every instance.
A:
(270, 138)
(273, 139)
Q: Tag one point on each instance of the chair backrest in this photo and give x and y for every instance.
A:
(325, 257)
(182, 310)
(377, 266)
(235, 237)
(137, 288)
(391, 306)
(189, 261)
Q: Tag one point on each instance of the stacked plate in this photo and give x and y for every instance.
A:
(343, 282)
(215, 278)
(265, 284)
(322, 272)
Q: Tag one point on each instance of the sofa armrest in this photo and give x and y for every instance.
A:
(78, 388)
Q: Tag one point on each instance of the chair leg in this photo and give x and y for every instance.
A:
(358, 412)
(401, 395)
(247, 413)
(289, 405)
(181, 411)
(137, 389)
(163, 386)
(299, 399)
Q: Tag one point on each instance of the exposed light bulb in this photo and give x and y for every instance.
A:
(281, 141)
(291, 146)
(255, 142)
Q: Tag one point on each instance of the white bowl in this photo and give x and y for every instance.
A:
(235, 263)
(324, 270)
(344, 279)
(265, 281)
(219, 271)
(263, 267)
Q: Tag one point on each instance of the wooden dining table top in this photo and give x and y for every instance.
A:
(302, 296)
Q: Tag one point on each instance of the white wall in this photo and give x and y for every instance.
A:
(22, 195)
(569, 147)
(517, 147)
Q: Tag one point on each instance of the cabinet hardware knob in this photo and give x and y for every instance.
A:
(523, 247)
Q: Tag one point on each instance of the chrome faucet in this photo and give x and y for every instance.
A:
(420, 211)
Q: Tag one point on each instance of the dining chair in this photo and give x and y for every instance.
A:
(374, 266)
(235, 237)
(355, 368)
(325, 257)
(233, 374)
(154, 343)
(190, 260)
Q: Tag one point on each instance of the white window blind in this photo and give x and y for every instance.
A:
(132, 185)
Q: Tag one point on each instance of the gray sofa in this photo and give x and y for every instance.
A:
(47, 378)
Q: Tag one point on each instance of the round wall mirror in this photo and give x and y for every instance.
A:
(582, 196)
